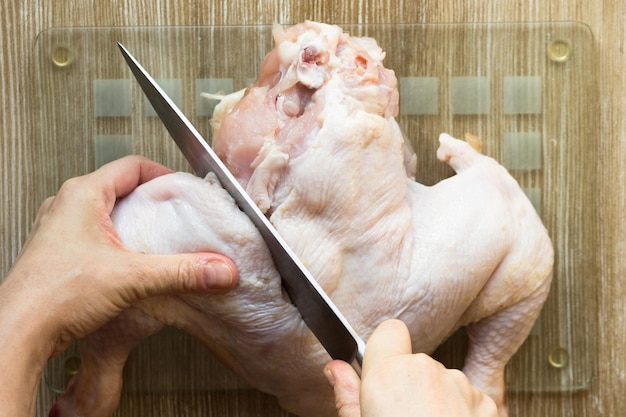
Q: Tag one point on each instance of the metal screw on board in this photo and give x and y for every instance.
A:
(558, 357)
(559, 50)
(72, 365)
(62, 56)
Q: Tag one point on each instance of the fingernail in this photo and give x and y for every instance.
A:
(330, 377)
(218, 275)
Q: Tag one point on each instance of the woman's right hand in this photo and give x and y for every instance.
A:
(396, 382)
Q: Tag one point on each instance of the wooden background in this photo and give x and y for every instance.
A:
(21, 21)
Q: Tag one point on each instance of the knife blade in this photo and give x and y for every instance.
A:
(318, 311)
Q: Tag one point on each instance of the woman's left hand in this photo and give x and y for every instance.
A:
(74, 274)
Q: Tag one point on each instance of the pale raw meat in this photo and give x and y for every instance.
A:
(315, 143)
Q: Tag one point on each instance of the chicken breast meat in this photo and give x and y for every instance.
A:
(315, 143)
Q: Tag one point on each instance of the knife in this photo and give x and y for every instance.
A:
(317, 309)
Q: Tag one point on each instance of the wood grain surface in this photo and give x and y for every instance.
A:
(22, 192)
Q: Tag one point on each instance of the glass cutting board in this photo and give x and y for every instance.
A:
(527, 90)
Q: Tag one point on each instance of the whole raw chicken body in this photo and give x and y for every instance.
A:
(315, 143)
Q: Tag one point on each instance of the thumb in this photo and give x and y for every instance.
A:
(391, 338)
(347, 386)
(183, 273)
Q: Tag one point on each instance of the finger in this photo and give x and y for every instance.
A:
(45, 206)
(42, 211)
(346, 385)
(485, 405)
(118, 178)
(184, 273)
(390, 338)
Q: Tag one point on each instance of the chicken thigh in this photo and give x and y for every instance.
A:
(315, 143)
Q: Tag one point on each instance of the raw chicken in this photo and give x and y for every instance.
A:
(315, 143)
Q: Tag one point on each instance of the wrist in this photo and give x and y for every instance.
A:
(24, 351)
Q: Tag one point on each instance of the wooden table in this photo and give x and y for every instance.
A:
(21, 21)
